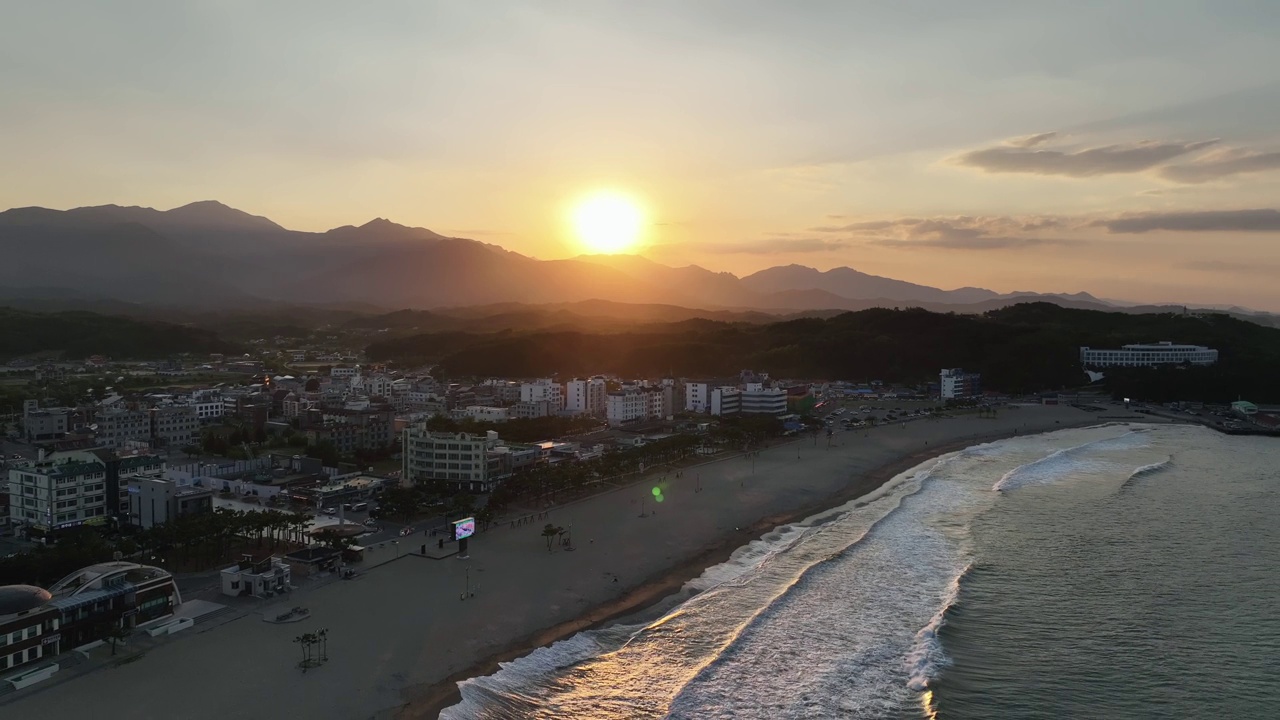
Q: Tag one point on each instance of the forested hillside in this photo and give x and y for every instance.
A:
(81, 334)
(1023, 348)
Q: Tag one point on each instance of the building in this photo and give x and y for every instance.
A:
(342, 372)
(208, 404)
(544, 389)
(1140, 355)
(49, 424)
(312, 561)
(483, 413)
(81, 608)
(111, 594)
(462, 460)
(586, 397)
(157, 500)
(64, 490)
(1244, 408)
(956, 383)
(257, 577)
(175, 426)
(28, 626)
(725, 401)
(119, 427)
(626, 405)
(73, 488)
(532, 409)
(697, 396)
(756, 399)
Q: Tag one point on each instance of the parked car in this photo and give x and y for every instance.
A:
(329, 511)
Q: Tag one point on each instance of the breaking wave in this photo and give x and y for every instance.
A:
(837, 616)
(1067, 461)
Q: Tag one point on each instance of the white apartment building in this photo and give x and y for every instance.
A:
(176, 425)
(208, 404)
(119, 427)
(64, 490)
(627, 405)
(697, 397)
(1146, 355)
(544, 389)
(956, 383)
(756, 399)
(586, 396)
(459, 459)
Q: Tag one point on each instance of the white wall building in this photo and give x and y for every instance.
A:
(627, 405)
(586, 396)
(343, 373)
(697, 397)
(459, 459)
(176, 425)
(756, 399)
(62, 491)
(544, 389)
(1146, 355)
(485, 413)
(725, 401)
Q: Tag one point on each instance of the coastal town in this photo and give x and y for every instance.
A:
(159, 500)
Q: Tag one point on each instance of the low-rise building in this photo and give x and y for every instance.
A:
(38, 624)
(483, 413)
(258, 577)
(157, 500)
(1147, 355)
(47, 424)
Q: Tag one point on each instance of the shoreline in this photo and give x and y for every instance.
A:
(431, 701)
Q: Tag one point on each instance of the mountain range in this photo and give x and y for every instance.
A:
(207, 256)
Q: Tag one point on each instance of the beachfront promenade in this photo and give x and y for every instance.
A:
(401, 628)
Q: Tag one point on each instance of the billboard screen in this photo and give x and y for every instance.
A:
(464, 528)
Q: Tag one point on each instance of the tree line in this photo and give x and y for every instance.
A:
(1024, 348)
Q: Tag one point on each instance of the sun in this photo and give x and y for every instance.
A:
(607, 222)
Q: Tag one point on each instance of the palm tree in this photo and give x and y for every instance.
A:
(550, 532)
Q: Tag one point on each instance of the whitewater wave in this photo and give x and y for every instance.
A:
(1061, 463)
(1146, 470)
(927, 657)
(843, 609)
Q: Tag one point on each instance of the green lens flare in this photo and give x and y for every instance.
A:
(658, 498)
(657, 492)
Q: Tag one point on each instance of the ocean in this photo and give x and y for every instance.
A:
(1120, 571)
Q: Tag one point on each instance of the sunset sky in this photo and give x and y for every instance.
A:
(1131, 149)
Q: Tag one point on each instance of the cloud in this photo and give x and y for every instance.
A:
(777, 247)
(1261, 220)
(1033, 140)
(1232, 268)
(1024, 155)
(1221, 164)
(963, 232)
(858, 226)
(979, 242)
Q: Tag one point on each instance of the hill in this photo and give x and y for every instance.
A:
(81, 334)
(1027, 347)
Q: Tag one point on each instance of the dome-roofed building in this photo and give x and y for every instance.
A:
(78, 609)
(15, 599)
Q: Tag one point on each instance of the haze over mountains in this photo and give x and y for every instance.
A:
(207, 255)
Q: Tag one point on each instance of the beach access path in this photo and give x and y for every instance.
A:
(401, 633)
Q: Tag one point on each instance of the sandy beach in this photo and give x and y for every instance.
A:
(401, 637)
